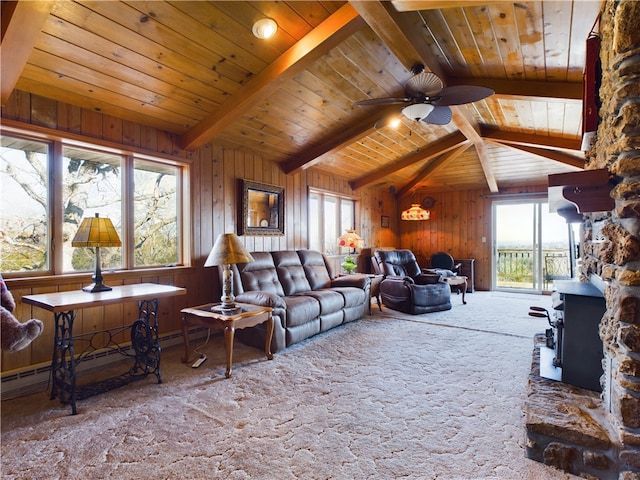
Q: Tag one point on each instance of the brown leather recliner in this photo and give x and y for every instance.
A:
(406, 287)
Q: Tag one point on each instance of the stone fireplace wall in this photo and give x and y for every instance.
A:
(611, 247)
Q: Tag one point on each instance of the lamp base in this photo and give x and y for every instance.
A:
(226, 310)
(349, 265)
(97, 287)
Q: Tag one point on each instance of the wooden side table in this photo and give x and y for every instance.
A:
(458, 281)
(203, 316)
(467, 269)
(376, 280)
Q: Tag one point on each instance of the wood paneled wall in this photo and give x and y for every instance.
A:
(215, 174)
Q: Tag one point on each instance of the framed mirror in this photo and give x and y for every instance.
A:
(262, 209)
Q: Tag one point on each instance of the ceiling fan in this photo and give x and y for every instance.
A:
(428, 99)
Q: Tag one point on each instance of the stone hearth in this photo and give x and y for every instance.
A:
(567, 426)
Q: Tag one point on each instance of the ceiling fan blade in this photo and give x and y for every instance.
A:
(426, 83)
(441, 115)
(460, 94)
(382, 101)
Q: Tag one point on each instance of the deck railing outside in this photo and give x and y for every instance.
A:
(515, 267)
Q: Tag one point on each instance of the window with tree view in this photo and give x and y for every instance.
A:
(330, 215)
(141, 196)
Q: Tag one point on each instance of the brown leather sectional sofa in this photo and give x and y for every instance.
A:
(305, 298)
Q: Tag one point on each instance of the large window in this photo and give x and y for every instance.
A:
(91, 183)
(330, 215)
(45, 200)
(24, 210)
(532, 246)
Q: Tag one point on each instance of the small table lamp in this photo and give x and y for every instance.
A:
(350, 240)
(96, 232)
(226, 251)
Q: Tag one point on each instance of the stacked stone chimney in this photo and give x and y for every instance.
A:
(615, 254)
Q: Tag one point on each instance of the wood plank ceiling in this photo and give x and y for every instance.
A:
(195, 69)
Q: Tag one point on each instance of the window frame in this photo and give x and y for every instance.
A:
(57, 141)
(321, 193)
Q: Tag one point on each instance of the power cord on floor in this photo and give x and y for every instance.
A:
(201, 356)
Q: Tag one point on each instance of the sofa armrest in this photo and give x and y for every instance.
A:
(263, 299)
(353, 280)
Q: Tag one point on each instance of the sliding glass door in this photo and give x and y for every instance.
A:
(532, 247)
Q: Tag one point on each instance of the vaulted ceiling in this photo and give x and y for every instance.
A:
(195, 69)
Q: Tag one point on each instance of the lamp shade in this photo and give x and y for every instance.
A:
(350, 240)
(227, 250)
(416, 212)
(96, 232)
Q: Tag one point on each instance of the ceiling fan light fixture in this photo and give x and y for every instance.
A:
(265, 28)
(417, 111)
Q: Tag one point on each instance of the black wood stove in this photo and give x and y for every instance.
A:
(573, 352)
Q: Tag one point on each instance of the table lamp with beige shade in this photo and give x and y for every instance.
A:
(227, 251)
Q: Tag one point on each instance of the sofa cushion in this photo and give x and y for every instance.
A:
(260, 275)
(301, 309)
(352, 296)
(315, 268)
(290, 272)
(330, 301)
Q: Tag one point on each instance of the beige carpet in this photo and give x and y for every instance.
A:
(390, 396)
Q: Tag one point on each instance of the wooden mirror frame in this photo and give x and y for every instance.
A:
(262, 209)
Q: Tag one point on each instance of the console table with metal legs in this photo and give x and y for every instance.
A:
(143, 335)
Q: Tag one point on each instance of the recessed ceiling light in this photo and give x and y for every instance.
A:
(265, 28)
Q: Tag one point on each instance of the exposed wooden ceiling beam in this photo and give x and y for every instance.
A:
(431, 167)
(398, 34)
(554, 155)
(530, 140)
(339, 26)
(412, 5)
(469, 127)
(489, 176)
(316, 153)
(22, 23)
(443, 145)
(462, 119)
(526, 90)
